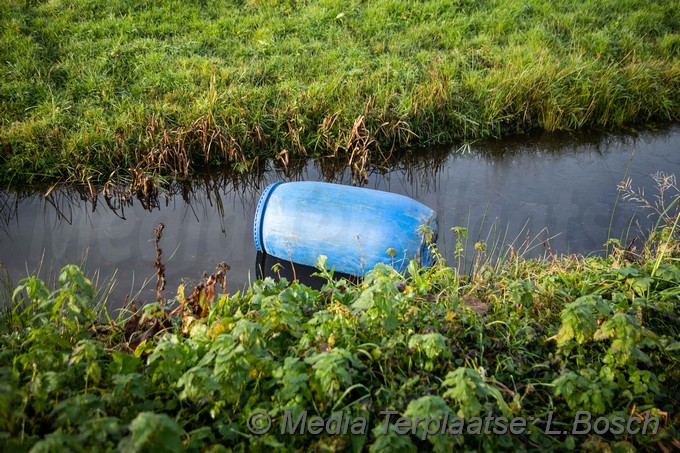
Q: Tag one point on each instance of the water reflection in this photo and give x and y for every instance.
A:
(557, 190)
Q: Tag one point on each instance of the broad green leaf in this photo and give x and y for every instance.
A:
(153, 432)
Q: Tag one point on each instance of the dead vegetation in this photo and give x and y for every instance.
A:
(158, 263)
(172, 151)
(145, 323)
(359, 142)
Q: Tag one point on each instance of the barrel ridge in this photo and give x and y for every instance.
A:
(259, 211)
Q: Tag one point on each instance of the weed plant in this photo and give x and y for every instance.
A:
(518, 338)
(95, 88)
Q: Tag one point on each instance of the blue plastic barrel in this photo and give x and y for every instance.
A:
(354, 227)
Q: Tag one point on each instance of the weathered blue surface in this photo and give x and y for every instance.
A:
(352, 226)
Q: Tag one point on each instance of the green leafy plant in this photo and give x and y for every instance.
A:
(525, 339)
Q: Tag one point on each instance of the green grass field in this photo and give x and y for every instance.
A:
(91, 87)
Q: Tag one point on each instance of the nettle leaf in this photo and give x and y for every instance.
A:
(644, 381)
(299, 295)
(199, 438)
(35, 289)
(270, 287)
(153, 432)
(468, 388)
(626, 337)
(293, 379)
(381, 273)
(332, 370)
(390, 323)
(324, 272)
(87, 351)
(105, 432)
(620, 300)
(57, 441)
(78, 409)
(522, 292)
(390, 440)
(53, 381)
(378, 300)
(365, 300)
(640, 285)
(247, 332)
(235, 364)
(420, 281)
(197, 384)
(280, 314)
(586, 390)
(628, 272)
(122, 363)
(151, 311)
(169, 359)
(126, 385)
(432, 346)
(668, 272)
(71, 275)
(431, 410)
(579, 319)
(384, 303)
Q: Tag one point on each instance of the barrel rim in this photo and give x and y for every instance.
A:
(259, 212)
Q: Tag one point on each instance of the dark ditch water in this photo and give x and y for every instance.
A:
(557, 186)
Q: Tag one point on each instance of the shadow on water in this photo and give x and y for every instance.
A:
(548, 193)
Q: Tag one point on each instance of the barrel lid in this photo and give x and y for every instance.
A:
(259, 213)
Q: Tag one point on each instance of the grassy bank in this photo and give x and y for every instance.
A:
(538, 340)
(91, 87)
